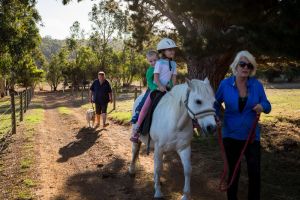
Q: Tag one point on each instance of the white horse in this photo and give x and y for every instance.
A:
(172, 129)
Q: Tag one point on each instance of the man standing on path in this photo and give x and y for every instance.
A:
(101, 94)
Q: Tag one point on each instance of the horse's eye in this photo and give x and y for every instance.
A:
(198, 101)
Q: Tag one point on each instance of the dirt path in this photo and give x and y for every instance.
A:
(80, 163)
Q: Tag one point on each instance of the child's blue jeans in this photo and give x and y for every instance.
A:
(140, 106)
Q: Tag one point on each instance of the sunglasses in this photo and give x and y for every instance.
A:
(243, 64)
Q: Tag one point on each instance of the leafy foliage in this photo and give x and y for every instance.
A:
(19, 40)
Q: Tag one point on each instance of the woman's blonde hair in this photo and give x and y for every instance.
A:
(249, 57)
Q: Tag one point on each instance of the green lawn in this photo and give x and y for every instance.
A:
(64, 110)
(285, 104)
(5, 115)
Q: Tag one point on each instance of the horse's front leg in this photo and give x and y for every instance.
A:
(135, 153)
(185, 156)
(158, 154)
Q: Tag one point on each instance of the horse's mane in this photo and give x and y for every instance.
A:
(179, 92)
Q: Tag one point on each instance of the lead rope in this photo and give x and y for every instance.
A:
(251, 137)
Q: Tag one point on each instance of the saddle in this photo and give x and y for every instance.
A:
(146, 124)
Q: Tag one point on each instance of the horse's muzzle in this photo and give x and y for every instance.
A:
(211, 128)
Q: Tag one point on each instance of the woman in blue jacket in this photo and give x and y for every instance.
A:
(244, 97)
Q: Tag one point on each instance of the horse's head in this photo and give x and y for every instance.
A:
(199, 102)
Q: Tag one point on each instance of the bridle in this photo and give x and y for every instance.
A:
(200, 114)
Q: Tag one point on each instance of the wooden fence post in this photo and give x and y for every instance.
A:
(114, 99)
(25, 101)
(13, 112)
(82, 94)
(29, 95)
(21, 106)
(28, 91)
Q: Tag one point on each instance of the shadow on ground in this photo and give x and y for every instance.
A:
(110, 181)
(86, 138)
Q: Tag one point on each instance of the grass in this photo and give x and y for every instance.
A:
(34, 117)
(122, 113)
(31, 120)
(5, 116)
(25, 163)
(26, 159)
(24, 195)
(64, 110)
(29, 183)
(1, 166)
(285, 103)
(5, 125)
(121, 117)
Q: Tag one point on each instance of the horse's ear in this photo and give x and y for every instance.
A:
(206, 81)
(189, 83)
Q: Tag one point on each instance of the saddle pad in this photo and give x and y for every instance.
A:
(146, 124)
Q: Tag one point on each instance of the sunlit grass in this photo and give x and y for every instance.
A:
(35, 116)
(29, 182)
(24, 195)
(121, 117)
(285, 103)
(64, 110)
(25, 163)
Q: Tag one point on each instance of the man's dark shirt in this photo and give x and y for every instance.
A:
(100, 92)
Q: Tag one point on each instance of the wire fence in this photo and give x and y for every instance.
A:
(12, 109)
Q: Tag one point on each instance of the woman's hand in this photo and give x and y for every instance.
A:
(258, 108)
(218, 121)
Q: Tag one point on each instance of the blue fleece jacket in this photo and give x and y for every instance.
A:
(237, 124)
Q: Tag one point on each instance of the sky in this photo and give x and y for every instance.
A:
(57, 18)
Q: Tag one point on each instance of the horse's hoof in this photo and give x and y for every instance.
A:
(158, 195)
(185, 197)
(132, 175)
(131, 172)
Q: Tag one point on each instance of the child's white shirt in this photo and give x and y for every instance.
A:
(162, 68)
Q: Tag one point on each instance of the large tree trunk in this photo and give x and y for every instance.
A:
(214, 67)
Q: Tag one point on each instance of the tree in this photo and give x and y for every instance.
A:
(28, 73)
(74, 70)
(86, 61)
(50, 47)
(212, 31)
(19, 39)
(54, 72)
(108, 20)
